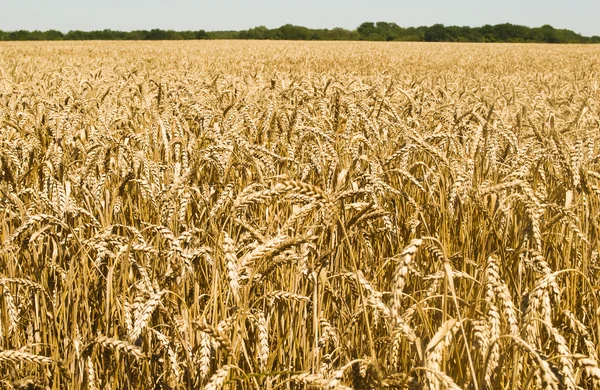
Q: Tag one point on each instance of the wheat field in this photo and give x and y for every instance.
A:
(286, 215)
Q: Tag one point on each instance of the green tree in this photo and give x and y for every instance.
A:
(437, 33)
(291, 32)
(488, 33)
(549, 34)
(260, 32)
(380, 31)
(369, 32)
(53, 35)
(157, 35)
(75, 35)
(20, 35)
(137, 35)
(201, 34)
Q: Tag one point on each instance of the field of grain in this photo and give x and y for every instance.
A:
(277, 215)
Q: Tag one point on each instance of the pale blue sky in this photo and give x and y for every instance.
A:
(578, 15)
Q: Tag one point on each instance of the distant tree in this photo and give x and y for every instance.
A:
(173, 35)
(201, 34)
(224, 35)
(368, 31)
(412, 34)
(291, 32)
(339, 33)
(487, 33)
(75, 35)
(507, 32)
(380, 31)
(137, 35)
(157, 35)
(468, 34)
(53, 35)
(549, 34)
(383, 30)
(260, 32)
(388, 31)
(105, 34)
(437, 33)
(35, 35)
(451, 34)
(20, 35)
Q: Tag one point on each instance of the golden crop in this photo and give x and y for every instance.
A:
(287, 215)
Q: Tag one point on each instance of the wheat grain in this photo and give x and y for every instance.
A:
(15, 357)
(271, 187)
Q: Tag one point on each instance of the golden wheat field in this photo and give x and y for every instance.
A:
(280, 215)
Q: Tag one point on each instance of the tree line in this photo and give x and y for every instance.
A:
(368, 31)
